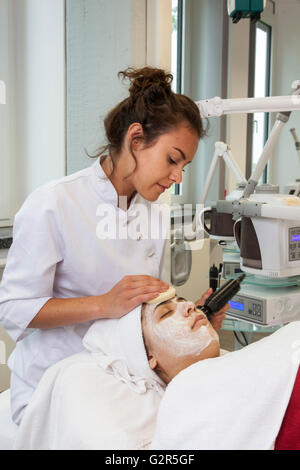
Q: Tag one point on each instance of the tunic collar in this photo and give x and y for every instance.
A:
(105, 188)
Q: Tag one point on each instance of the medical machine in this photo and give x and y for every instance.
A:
(266, 225)
(267, 231)
(2, 92)
(238, 9)
(266, 305)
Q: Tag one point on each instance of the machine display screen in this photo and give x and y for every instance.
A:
(237, 305)
(295, 238)
(237, 270)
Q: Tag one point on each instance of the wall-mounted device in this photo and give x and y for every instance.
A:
(239, 9)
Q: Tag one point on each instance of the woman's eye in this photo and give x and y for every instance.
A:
(173, 162)
(166, 314)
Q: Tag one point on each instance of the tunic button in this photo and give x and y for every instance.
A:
(139, 237)
(151, 254)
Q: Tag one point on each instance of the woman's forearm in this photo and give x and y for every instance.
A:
(124, 296)
(62, 312)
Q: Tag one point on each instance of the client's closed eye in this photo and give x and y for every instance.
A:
(166, 314)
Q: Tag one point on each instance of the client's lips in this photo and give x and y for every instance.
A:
(200, 320)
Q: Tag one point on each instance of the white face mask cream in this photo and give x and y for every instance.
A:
(175, 330)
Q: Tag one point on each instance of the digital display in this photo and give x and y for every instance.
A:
(295, 238)
(237, 270)
(237, 305)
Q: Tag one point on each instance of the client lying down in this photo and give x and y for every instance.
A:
(107, 397)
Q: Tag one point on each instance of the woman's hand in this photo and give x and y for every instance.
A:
(130, 292)
(217, 319)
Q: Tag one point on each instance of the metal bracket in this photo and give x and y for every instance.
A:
(239, 208)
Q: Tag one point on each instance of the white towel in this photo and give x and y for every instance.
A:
(233, 402)
(118, 348)
(106, 397)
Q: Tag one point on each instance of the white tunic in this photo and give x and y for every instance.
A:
(56, 253)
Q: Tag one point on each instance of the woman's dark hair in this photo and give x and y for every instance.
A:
(154, 105)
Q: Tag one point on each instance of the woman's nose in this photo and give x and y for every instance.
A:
(176, 176)
(189, 309)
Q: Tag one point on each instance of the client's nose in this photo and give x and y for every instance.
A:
(189, 309)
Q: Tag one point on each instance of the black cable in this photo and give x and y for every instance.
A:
(238, 339)
(244, 336)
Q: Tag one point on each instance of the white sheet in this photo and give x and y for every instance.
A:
(8, 429)
(77, 405)
(106, 397)
(233, 402)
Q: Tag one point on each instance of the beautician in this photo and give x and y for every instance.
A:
(61, 275)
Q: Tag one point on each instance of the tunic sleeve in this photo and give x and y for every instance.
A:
(28, 278)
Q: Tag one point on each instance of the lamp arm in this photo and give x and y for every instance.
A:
(232, 165)
(217, 107)
(284, 105)
(222, 150)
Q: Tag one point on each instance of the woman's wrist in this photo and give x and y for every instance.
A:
(98, 307)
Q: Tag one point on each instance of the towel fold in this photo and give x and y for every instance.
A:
(118, 347)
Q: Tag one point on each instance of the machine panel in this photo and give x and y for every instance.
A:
(294, 244)
(247, 308)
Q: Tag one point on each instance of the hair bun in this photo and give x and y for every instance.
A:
(147, 81)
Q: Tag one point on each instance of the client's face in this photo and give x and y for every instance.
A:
(177, 335)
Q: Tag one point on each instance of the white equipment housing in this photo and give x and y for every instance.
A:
(272, 306)
(278, 240)
(293, 188)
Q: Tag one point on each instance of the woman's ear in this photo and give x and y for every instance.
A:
(152, 362)
(154, 365)
(135, 130)
(135, 135)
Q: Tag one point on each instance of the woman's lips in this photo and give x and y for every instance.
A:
(162, 188)
(199, 321)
